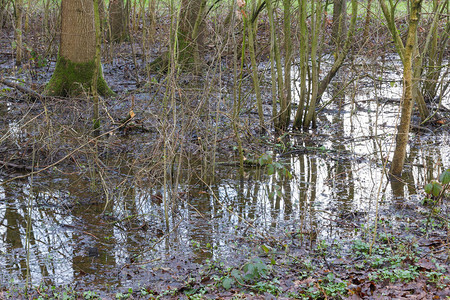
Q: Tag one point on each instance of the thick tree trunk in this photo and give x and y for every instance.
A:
(76, 65)
(407, 103)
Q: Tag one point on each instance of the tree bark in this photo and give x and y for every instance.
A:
(339, 25)
(285, 103)
(76, 67)
(118, 31)
(18, 31)
(407, 101)
(190, 32)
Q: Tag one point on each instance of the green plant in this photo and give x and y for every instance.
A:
(333, 286)
(394, 274)
(90, 295)
(269, 287)
(124, 296)
(438, 278)
(273, 167)
(250, 272)
(361, 247)
(436, 189)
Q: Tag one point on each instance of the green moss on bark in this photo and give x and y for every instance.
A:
(71, 79)
(185, 51)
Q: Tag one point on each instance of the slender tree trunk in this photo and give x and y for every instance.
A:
(318, 88)
(273, 53)
(277, 72)
(339, 25)
(76, 66)
(256, 81)
(316, 21)
(98, 52)
(18, 34)
(102, 16)
(285, 117)
(3, 8)
(436, 46)
(27, 16)
(298, 121)
(407, 99)
(152, 19)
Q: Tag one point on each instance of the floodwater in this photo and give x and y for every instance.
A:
(336, 183)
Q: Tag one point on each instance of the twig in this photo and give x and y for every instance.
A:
(34, 172)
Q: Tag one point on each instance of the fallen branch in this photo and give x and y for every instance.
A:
(18, 167)
(21, 88)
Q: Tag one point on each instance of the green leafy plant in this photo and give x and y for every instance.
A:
(436, 189)
(250, 272)
(90, 295)
(273, 167)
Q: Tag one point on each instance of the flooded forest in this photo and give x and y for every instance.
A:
(248, 149)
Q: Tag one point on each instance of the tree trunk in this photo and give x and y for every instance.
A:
(407, 103)
(285, 103)
(317, 17)
(118, 30)
(190, 32)
(76, 65)
(367, 21)
(256, 81)
(298, 120)
(18, 31)
(339, 25)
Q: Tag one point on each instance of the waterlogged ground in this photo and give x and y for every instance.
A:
(299, 224)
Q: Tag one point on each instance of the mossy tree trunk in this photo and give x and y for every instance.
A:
(436, 47)
(18, 13)
(3, 12)
(190, 35)
(339, 25)
(76, 67)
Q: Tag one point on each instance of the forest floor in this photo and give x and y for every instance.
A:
(405, 256)
(402, 262)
